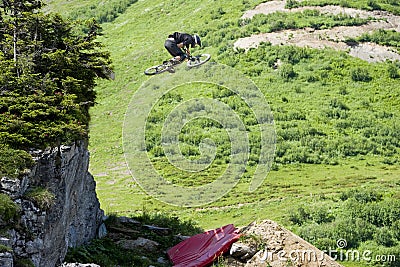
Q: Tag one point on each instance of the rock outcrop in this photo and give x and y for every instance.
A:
(280, 248)
(71, 216)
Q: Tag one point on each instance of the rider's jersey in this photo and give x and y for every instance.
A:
(184, 38)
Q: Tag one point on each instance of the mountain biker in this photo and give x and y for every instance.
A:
(176, 41)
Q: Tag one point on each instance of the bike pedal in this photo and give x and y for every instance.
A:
(171, 70)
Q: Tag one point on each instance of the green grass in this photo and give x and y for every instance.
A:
(9, 211)
(353, 104)
(4, 249)
(42, 197)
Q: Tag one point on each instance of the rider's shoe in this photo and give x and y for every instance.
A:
(174, 61)
(171, 61)
(183, 57)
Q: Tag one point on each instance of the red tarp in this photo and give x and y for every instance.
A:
(202, 249)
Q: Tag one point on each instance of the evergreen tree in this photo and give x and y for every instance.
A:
(48, 74)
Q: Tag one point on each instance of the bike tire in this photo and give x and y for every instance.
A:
(198, 60)
(157, 69)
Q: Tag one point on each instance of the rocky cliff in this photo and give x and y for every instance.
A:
(65, 213)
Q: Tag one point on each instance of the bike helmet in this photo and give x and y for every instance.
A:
(197, 39)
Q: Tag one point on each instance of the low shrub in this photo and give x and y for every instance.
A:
(9, 211)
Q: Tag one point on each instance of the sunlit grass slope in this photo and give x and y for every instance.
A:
(337, 117)
(135, 40)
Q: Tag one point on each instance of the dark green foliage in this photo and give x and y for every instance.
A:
(388, 5)
(297, 20)
(338, 118)
(362, 196)
(292, 4)
(361, 217)
(48, 81)
(287, 72)
(373, 5)
(42, 197)
(382, 37)
(360, 75)
(106, 251)
(393, 71)
(21, 262)
(38, 120)
(316, 213)
(299, 216)
(178, 226)
(13, 162)
(384, 237)
(8, 210)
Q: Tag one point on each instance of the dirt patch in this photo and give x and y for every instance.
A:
(332, 38)
(266, 8)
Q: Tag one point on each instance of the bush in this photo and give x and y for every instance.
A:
(374, 5)
(360, 75)
(291, 4)
(321, 215)
(287, 72)
(42, 197)
(362, 196)
(14, 162)
(396, 229)
(299, 216)
(383, 236)
(9, 211)
(392, 70)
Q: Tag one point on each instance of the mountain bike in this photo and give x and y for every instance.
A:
(192, 61)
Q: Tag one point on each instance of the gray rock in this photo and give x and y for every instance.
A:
(79, 265)
(6, 260)
(181, 237)
(35, 246)
(73, 218)
(242, 252)
(6, 242)
(159, 230)
(102, 231)
(15, 188)
(162, 260)
(127, 220)
(141, 243)
(279, 246)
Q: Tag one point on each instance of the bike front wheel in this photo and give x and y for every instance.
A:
(198, 60)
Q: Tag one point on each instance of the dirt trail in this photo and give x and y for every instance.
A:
(333, 38)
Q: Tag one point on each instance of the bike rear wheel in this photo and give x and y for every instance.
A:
(198, 60)
(157, 69)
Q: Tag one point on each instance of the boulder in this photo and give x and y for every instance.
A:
(141, 244)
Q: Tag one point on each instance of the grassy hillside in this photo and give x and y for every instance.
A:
(336, 117)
